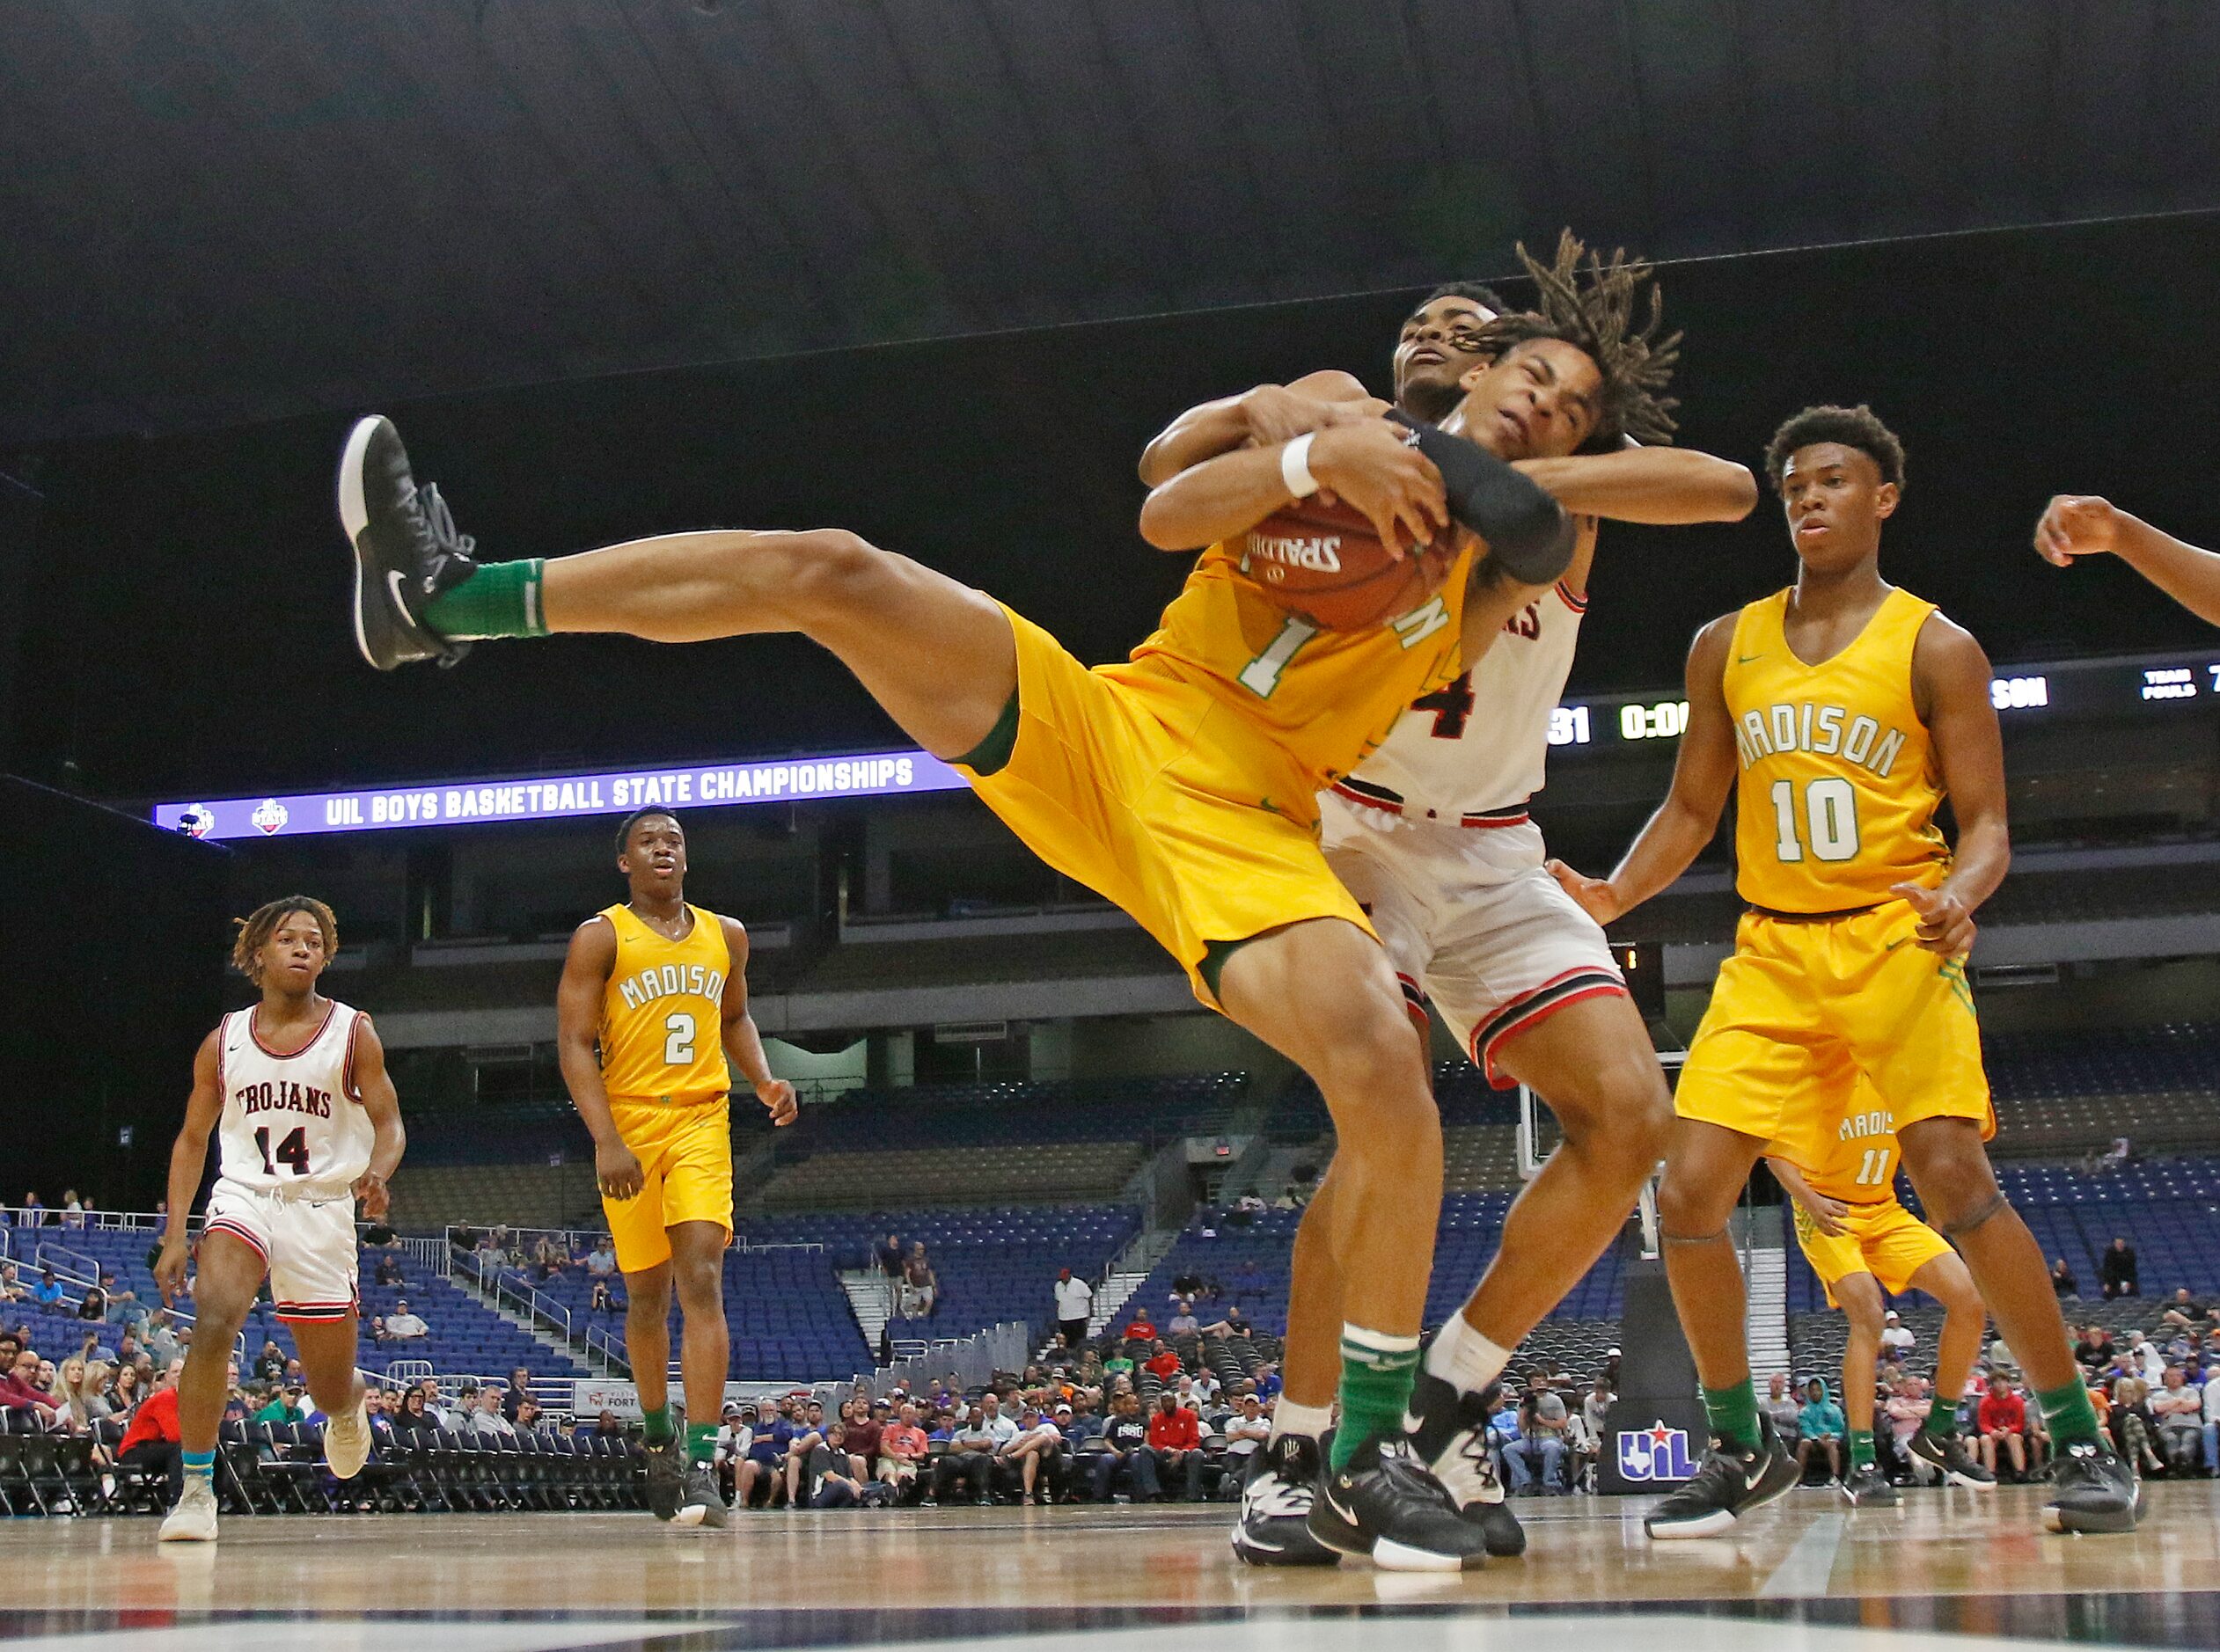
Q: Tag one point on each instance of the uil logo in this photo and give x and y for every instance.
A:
(1657, 1452)
(269, 816)
(196, 820)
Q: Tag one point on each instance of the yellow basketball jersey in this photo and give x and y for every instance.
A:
(1838, 787)
(1328, 697)
(663, 1012)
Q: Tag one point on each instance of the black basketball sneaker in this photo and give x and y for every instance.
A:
(1959, 1466)
(666, 1481)
(1730, 1484)
(1276, 1501)
(1385, 1505)
(1868, 1487)
(1449, 1435)
(2096, 1491)
(406, 551)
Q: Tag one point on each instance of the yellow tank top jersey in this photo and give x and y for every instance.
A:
(1858, 1166)
(663, 1012)
(1838, 787)
(1328, 698)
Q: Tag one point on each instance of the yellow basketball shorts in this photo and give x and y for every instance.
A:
(1882, 1238)
(684, 1151)
(1158, 795)
(1804, 1007)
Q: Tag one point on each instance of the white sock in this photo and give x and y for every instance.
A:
(1465, 1359)
(1287, 1417)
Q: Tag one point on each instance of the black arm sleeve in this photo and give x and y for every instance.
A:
(1527, 533)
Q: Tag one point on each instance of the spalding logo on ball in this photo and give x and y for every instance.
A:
(1324, 562)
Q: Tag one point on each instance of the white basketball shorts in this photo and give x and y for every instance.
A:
(1470, 918)
(308, 1245)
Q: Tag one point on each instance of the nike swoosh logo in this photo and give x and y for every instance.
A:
(395, 582)
(1744, 659)
(1894, 944)
(1411, 1424)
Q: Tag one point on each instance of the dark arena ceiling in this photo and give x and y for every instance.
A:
(218, 211)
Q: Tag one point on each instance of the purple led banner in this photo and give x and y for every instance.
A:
(555, 797)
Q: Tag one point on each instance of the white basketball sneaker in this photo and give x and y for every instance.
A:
(347, 1442)
(194, 1519)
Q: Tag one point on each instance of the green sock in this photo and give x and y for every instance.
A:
(1861, 1448)
(1734, 1414)
(2072, 1419)
(501, 599)
(701, 1441)
(1377, 1371)
(656, 1425)
(1942, 1419)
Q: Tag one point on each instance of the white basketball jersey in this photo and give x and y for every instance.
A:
(1477, 747)
(293, 1124)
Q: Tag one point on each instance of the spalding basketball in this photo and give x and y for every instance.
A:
(1324, 563)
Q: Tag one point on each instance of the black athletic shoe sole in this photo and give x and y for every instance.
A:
(1954, 1473)
(1499, 1529)
(1340, 1530)
(666, 1481)
(386, 633)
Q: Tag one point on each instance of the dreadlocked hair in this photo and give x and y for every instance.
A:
(1859, 427)
(1590, 307)
(258, 926)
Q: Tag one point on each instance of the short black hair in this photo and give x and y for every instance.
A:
(1487, 298)
(1859, 427)
(624, 830)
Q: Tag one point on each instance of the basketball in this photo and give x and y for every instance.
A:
(1325, 563)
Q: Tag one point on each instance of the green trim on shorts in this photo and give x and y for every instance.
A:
(992, 753)
(1215, 953)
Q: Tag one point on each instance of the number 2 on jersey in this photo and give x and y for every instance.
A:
(678, 1046)
(293, 1150)
(1830, 817)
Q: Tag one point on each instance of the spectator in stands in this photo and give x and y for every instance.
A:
(1595, 1407)
(150, 1443)
(920, 1285)
(284, 1407)
(72, 1209)
(903, 1447)
(528, 1415)
(1141, 1328)
(48, 1292)
(1074, 1306)
(2179, 1411)
(412, 1424)
(270, 1364)
(765, 1463)
(1821, 1426)
(486, 1417)
(2117, 1271)
(1163, 1362)
(401, 1326)
(809, 1434)
(1034, 1454)
(832, 1481)
(1235, 1323)
(389, 1270)
(33, 1212)
(1896, 1337)
(128, 1390)
(2133, 1429)
(890, 1256)
(1175, 1440)
(2184, 1309)
(1247, 1431)
(1903, 1414)
(969, 1458)
(865, 1434)
(162, 1337)
(519, 1391)
(11, 1288)
(601, 1261)
(2114, 1157)
(1539, 1452)
(81, 1397)
(1125, 1449)
(1207, 1389)
(548, 1259)
(2062, 1282)
(2144, 1361)
(602, 1301)
(2003, 1423)
(2093, 1349)
(1118, 1365)
(20, 1390)
(1182, 1322)
(735, 1432)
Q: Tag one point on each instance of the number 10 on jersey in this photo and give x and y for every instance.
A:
(1828, 817)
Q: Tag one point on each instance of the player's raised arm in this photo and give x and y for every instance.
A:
(374, 1090)
(743, 1042)
(586, 970)
(2082, 524)
(1666, 487)
(188, 1157)
(1265, 416)
(1950, 688)
(1368, 463)
(1703, 774)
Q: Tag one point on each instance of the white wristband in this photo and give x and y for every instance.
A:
(1294, 466)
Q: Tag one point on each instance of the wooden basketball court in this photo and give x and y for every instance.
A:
(1947, 1567)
